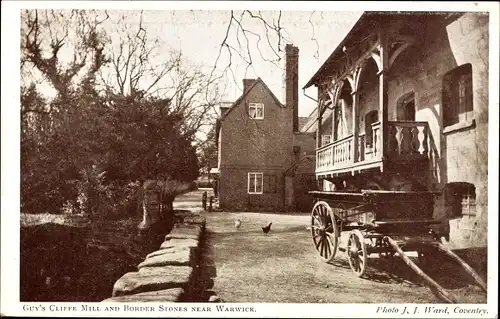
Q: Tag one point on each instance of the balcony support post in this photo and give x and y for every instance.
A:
(318, 131)
(383, 94)
(334, 123)
(355, 129)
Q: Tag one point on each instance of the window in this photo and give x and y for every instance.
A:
(457, 96)
(460, 198)
(326, 139)
(255, 183)
(270, 184)
(259, 183)
(256, 110)
(406, 107)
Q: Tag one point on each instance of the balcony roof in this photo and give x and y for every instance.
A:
(372, 18)
(338, 50)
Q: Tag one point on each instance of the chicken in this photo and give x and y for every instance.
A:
(267, 228)
(237, 223)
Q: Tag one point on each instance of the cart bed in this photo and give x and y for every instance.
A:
(383, 204)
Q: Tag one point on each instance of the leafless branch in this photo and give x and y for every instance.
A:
(244, 37)
(45, 32)
(313, 36)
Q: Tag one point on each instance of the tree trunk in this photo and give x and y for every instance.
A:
(146, 218)
(167, 205)
(161, 207)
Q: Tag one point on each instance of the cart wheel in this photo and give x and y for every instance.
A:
(356, 252)
(324, 231)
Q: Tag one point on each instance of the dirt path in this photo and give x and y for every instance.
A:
(243, 265)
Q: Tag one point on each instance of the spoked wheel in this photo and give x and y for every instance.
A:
(356, 252)
(324, 231)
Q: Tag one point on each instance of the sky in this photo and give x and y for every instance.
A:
(203, 31)
(198, 34)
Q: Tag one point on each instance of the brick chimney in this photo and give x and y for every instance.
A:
(292, 82)
(247, 83)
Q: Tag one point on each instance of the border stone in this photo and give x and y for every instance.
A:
(183, 257)
(180, 243)
(167, 274)
(166, 295)
(153, 280)
(186, 231)
(196, 219)
(166, 251)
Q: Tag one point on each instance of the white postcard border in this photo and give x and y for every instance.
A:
(10, 304)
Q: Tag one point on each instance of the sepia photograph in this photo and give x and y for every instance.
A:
(204, 159)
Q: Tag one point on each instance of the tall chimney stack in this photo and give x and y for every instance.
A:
(292, 82)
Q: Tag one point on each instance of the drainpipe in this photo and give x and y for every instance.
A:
(304, 92)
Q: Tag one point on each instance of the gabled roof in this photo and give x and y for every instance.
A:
(295, 165)
(310, 125)
(372, 18)
(336, 52)
(302, 121)
(258, 80)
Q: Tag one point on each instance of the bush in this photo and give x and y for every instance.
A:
(193, 186)
(128, 137)
(122, 202)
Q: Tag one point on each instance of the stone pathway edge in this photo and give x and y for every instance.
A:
(169, 273)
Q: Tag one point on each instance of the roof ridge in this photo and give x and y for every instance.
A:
(245, 93)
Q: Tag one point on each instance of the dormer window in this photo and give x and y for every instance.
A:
(256, 110)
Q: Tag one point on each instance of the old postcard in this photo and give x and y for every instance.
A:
(241, 159)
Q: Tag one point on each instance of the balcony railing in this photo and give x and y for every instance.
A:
(369, 146)
(407, 141)
(336, 154)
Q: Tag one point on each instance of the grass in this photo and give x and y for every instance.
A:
(93, 254)
(77, 220)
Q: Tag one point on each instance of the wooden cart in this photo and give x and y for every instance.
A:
(387, 223)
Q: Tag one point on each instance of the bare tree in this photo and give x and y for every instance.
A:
(251, 36)
(140, 68)
(61, 48)
(136, 66)
(268, 36)
(65, 47)
(262, 32)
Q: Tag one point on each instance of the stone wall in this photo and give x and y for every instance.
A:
(461, 153)
(169, 273)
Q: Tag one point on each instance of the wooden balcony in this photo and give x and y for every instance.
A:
(407, 143)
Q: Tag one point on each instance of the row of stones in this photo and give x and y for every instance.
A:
(166, 275)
